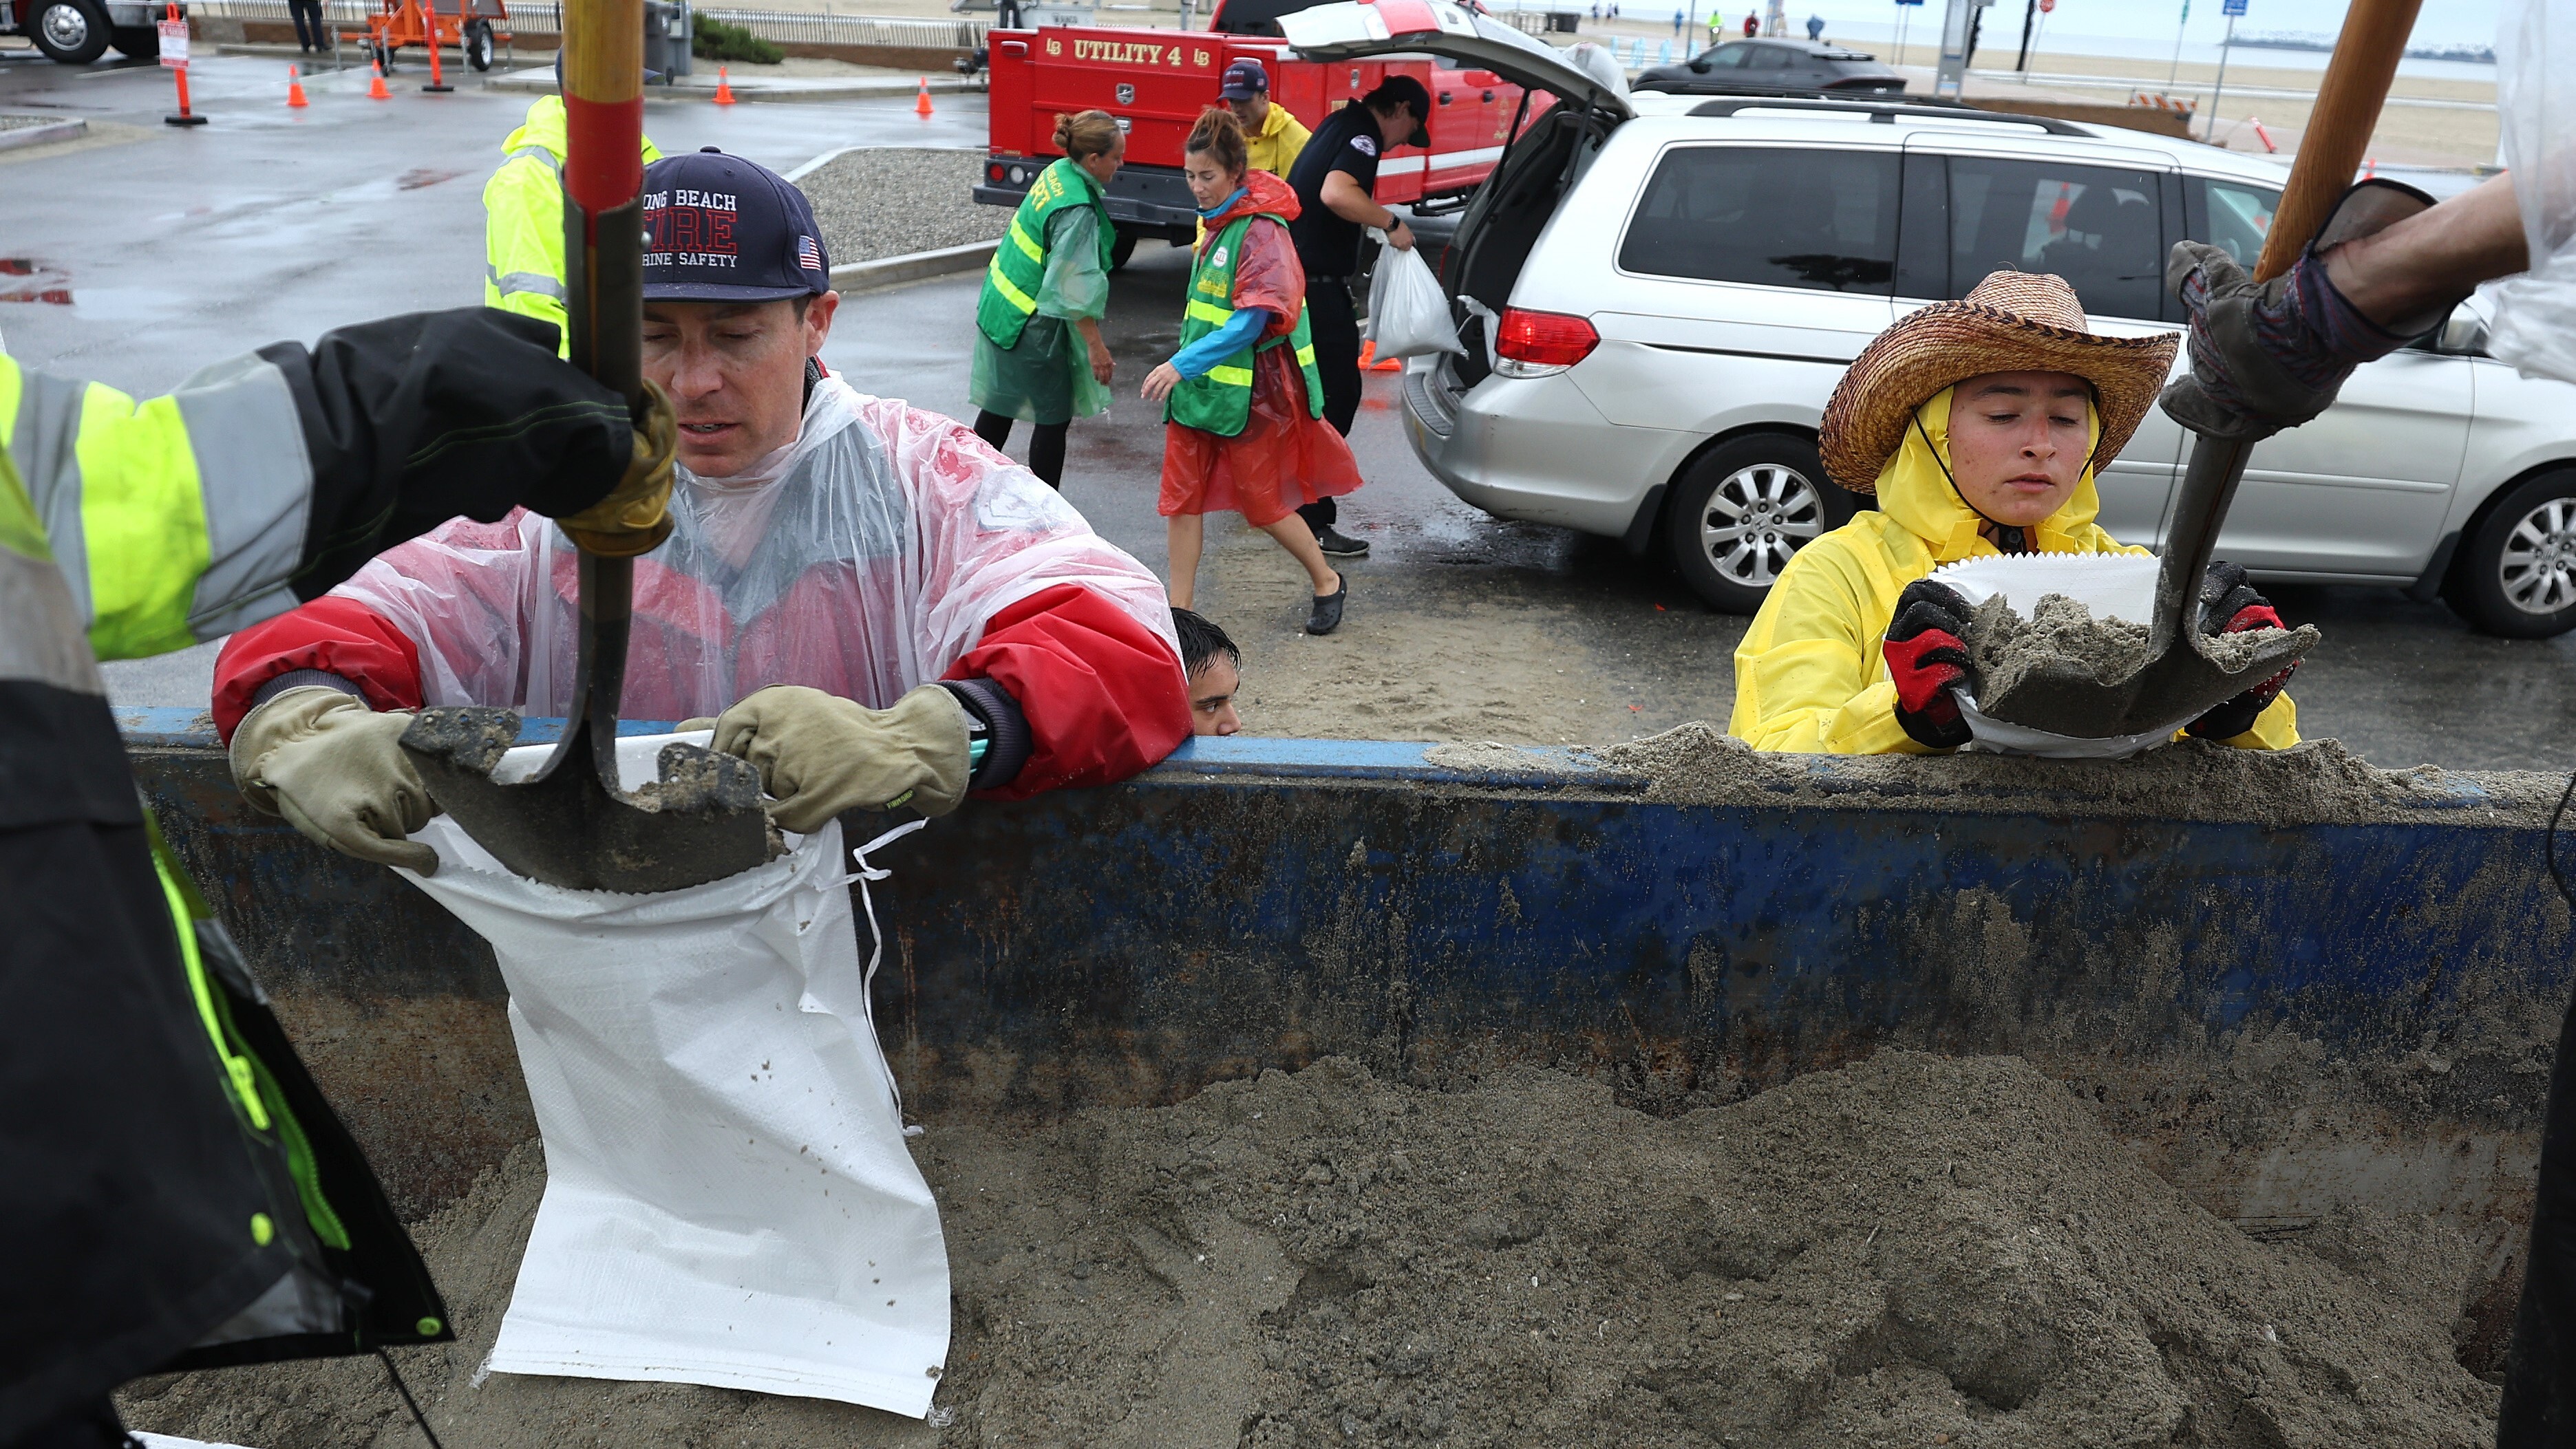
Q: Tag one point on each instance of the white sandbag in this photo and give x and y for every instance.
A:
(2535, 313)
(1408, 313)
(2109, 585)
(728, 1197)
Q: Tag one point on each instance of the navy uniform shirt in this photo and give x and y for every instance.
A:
(1327, 245)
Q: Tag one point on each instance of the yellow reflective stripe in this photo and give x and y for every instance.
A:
(1305, 357)
(144, 522)
(1002, 284)
(9, 390)
(1203, 312)
(1021, 240)
(245, 1082)
(1231, 376)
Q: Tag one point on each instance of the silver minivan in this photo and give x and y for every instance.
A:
(1658, 294)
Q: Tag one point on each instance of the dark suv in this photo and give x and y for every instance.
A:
(1765, 66)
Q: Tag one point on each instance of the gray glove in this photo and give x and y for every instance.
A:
(2273, 356)
(819, 754)
(332, 767)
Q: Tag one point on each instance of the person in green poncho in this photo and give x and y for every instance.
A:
(1049, 284)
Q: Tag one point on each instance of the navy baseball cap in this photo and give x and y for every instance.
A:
(718, 228)
(1243, 80)
(1413, 94)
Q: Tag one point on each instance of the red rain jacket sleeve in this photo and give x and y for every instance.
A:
(331, 633)
(1101, 695)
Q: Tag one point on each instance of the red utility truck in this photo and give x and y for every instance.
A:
(1157, 81)
(76, 32)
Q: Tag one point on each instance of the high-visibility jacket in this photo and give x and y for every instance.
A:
(1018, 269)
(1811, 672)
(523, 222)
(178, 1193)
(1220, 401)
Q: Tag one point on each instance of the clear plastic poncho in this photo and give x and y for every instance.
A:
(2535, 312)
(862, 559)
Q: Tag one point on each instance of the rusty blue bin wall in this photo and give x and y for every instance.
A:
(2280, 1017)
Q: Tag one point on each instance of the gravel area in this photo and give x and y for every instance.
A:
(884, 203)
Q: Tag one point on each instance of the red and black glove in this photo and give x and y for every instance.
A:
(1927, 660)
(2230, 605)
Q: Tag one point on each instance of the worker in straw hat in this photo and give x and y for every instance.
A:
(1980, 426)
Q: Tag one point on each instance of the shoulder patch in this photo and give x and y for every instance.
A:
(1365, 145)
(1217, 258)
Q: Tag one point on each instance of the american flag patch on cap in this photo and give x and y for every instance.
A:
(808, 255)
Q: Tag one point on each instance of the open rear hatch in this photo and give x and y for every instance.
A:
(1540, 163)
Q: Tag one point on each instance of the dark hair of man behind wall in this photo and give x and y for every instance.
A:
(1219, 137)
(1086, 133)
(1202, 641)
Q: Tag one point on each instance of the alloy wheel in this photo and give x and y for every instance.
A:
(2537, 566)
(1756, 517)
(67, 26)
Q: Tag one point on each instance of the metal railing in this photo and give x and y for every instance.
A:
(785, 27)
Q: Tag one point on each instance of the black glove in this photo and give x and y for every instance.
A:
(411, 421)
(2269, 357)
(2229, 604)
(1927, 659)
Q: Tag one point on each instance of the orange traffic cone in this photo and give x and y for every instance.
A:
(1369, 362)
(376, 88)
(921, 103)
(295, 90)
(724, 88)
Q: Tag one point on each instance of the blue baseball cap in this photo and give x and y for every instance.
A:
(718, 228)
(1243, 80)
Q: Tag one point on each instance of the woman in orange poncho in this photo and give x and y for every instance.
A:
(1244, 406)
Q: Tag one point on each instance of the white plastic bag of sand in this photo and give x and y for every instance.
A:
(729, 1200)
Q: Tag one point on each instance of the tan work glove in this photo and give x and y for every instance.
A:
(636, 515)
(331, 766)
(819, 754)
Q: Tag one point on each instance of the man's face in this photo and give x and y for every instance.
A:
(736, 374)
(1252, 111)
(2019, 442)
(1212, 698)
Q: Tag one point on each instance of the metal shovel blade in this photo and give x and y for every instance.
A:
(568, 827)
(2179, 681)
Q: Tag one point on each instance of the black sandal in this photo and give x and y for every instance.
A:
(1326, 616)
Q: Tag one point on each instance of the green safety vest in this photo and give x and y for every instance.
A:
(1011, 283)
(1221, 401)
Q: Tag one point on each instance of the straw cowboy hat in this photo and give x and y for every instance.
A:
(2012, 322)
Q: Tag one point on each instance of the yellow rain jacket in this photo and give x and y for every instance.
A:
(523, 228)
(1810, 676)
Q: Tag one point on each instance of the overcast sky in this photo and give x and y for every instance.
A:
(2445, 22)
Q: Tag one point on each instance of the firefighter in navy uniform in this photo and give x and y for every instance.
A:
(179, 1194)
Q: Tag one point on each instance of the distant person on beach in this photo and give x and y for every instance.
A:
(1815, 27)
(1215, 669)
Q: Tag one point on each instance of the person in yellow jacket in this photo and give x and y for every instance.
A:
(523, 227)
(1980, 426)
(180, 1195)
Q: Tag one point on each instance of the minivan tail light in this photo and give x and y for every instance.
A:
(1544, 339)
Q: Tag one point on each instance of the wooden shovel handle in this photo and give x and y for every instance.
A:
(2338, 135)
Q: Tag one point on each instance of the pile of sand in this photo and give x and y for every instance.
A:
(1912, 1248)
(2317, 782)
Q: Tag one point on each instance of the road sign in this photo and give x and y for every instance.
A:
(2232, 7)
(2047, 7)
(174, 43)
(1909, 2)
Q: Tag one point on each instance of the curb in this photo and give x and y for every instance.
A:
(40, 135)
(912, 267)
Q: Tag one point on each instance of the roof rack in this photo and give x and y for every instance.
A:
(1886, 111)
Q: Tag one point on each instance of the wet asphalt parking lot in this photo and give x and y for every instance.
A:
(163, 250)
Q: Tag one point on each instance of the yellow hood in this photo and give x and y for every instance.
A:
(1915, 491)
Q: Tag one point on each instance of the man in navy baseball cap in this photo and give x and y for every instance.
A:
(737, 283)
(1271, 136)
